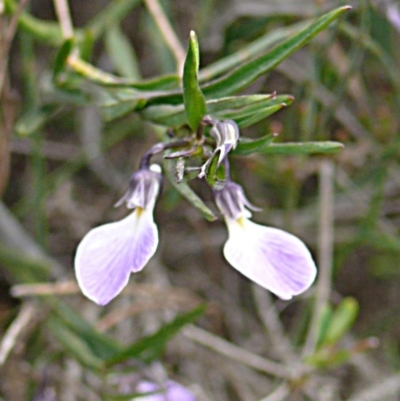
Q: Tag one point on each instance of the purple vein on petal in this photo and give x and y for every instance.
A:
(108, 254)
(273, 258)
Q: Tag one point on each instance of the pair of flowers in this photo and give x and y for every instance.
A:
(272, 258)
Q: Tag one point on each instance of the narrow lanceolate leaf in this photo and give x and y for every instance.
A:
(73, 344)
(294, 148)
(342, 320)
(248, 146)
(323, 323)
(188, 194)
(99, 344)
(236, 108)
(121, 53)
(61, 57)
(250, 71)
(35, 119)
(151, 347)
(195, 104)
(262, 113)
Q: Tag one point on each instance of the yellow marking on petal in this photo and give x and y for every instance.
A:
(139, 211)
(241, 221)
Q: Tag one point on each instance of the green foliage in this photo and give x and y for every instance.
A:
(195, 105)
(344, 107)
(151, 347)
(334, 324)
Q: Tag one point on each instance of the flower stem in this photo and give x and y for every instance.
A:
(323, 289)
(158, 148)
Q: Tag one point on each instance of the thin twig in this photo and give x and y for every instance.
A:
(60, 288)
(279, 394)
(325, 253)
(167, 32)
(224, 347)
(11, 337)
(64, 17)
(385, 388)
(126, 311)
(6, 41)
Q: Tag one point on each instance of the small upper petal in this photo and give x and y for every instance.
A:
(272, 258)
(108, 254)
(144, 187)
(232, 201)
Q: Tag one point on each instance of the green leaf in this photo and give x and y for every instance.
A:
(121, 53)
(73, 344)
(195, 104)
(86, 44)
(248, 117)
(342, 320)
(323, 323)
(99, 344)
(231, 107)
(49, 32)
(159, 83)
(244, 75)
(248, 146)
(25, 268)
(118, 109)
(151, 347)
(187, 193)
(300, 148)
(248, 51)
(215, 175)
(34, 119)
(329, 357)
(236, 108)
(150, 89)
(61, 57)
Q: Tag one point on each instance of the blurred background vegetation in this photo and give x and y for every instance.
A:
(70, 136)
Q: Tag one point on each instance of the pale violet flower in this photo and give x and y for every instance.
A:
(171, 391)
(272, 258)
(226, 135)
(393, 14)
(108, 254)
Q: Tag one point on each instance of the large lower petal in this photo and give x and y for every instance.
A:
(272, 258)
(108, 254)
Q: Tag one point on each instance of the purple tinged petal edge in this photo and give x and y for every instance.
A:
(107, 255)
(272, 258)
(173, 392)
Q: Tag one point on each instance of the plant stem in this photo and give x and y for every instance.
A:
(64, 17)
(325, 254)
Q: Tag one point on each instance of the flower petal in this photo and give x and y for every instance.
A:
(173, 392)
(272, 258)
(108, 254)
